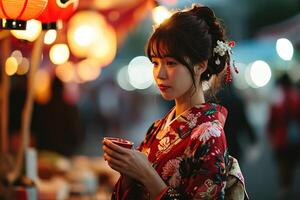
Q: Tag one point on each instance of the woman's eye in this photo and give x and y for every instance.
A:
(171, 63)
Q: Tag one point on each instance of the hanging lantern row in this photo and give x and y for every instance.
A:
(55, 11)
(15, 13)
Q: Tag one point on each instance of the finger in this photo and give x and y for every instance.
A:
(114, 161)
(116, 147)
(115, 164)
(113, 153)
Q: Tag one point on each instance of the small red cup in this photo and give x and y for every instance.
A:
(120, 141)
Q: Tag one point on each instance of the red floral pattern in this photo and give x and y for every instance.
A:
(189, 153)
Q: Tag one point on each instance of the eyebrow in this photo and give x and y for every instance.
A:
(165, 56)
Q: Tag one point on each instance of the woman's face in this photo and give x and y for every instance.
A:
(172, 78)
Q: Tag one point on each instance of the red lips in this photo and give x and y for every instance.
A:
(163, 87)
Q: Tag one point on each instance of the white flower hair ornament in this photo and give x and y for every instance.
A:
(221, 49)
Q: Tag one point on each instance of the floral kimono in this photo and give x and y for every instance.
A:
(190, 155)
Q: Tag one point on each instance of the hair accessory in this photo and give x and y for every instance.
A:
(228, 74)
(217, 61)
(221, 49)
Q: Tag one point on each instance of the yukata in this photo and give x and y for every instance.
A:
(190, 155)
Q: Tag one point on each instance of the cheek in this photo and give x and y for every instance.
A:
(154, 73)
(184, 83)
(183, 78)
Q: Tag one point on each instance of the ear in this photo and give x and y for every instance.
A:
(201, 67)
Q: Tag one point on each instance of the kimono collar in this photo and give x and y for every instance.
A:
(185, 122)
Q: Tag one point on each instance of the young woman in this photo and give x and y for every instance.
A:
(184, 155)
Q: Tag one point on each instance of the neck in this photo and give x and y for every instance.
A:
(187, 101)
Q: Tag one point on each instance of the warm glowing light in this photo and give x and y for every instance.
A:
(104, 49)
(23, 67)
(42, 86)
(17, 54)
(87, 70)
(66, 72)
(11, 66)
(59, 53)
(83, 29)
(84, 35)
(140, 72)
(50, 36)
(123, 79)
(160, 13)
(260, 73)
(90, 36)
(284, 49)
(33, 30)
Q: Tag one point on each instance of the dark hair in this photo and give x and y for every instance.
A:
(190, 36)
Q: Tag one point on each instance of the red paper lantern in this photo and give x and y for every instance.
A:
(15, 13)
(57, 10)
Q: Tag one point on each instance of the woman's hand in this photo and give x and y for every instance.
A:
(133, 164)
(126, 161)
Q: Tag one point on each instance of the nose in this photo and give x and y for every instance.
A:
(161, 72)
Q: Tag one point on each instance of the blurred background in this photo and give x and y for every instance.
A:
(92, 79)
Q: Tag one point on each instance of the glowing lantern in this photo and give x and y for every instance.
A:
(32, 31)
(14, 14)
(90, 36)
(55, 11)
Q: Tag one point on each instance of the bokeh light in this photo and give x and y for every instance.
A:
(84, 35)
(59, 53)
(23, 67)
(123, 79)
(17, 54)
(91, 36)
(88, 70)
(160, 13)
(66, 72)
(104, 49)
(284, 49)
(140, 72)
(11, 66)
(260, 73)
(50, 36)
(42, 89)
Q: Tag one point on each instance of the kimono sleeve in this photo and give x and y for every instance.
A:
(201, 172)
